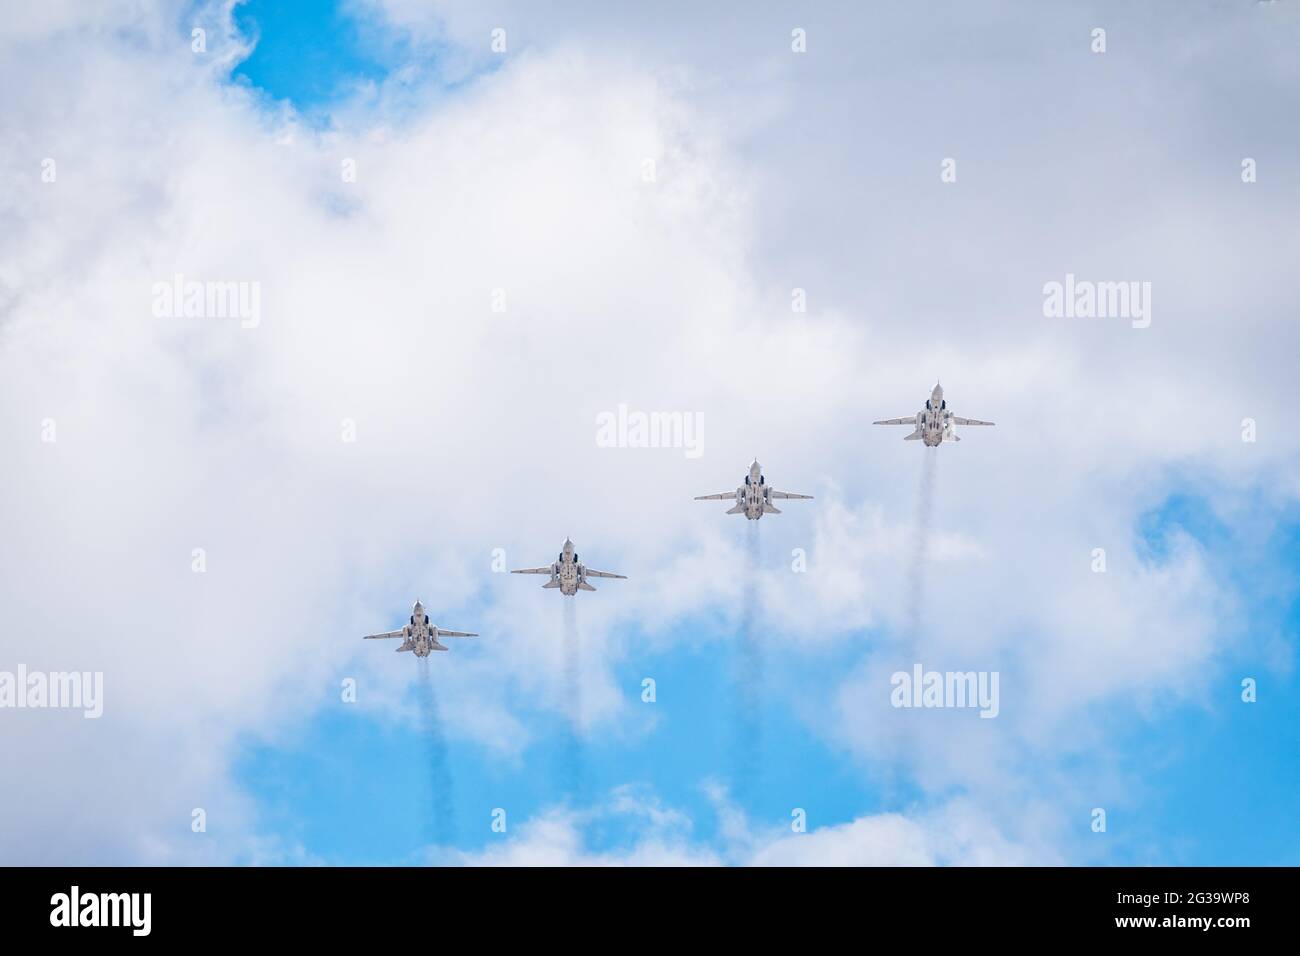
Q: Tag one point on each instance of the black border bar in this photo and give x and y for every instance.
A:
(335, 904)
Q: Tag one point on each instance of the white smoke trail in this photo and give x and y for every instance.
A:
(914, 591)
(573, 771)
(748, 690)
(441, 816)
(907, 740)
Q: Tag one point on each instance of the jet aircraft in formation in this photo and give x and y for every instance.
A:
(421, 635)
(568, 573)
(754, 498)
(933, 425)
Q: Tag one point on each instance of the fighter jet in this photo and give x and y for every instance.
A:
(421, 634)
(934, 423)
(753, 498)
(568, 573)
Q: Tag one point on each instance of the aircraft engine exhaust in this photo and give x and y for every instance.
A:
(914, 590)
(441, 814)
(748, 677)
(573, 771)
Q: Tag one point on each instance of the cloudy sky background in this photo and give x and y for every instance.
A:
(523, 171)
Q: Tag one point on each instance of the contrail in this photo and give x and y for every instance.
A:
(441, 816)
(573, 773)
(748, 690)
(907, 739)
(914, 591)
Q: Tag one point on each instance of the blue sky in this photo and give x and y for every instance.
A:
(354, 791)
(325, 789)
(304, 57)
(524, 173)
(1219, 780)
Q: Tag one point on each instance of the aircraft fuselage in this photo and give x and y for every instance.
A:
(934, 422)
(421, 635)
(568, 573)
(754, 496)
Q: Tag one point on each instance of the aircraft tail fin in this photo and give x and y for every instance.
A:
(551, 584)
(585, 586)
(437, 646)
(770, 509)
(914, 436)
(737, 510)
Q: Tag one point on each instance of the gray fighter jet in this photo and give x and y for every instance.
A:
(934, 423)
(568, 573)
(753, 498)
(421, 635)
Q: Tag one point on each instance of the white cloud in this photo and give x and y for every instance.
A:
(476, 429)
(953, 835)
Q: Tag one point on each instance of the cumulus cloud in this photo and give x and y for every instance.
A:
(955, 834)
(475, 428)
